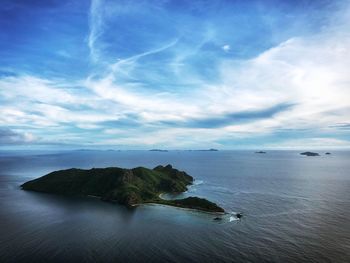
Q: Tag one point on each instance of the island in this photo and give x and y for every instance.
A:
(205, 150)
(310, 154)
(129, 187)
(327, 153)
(260, 152)
(158, 150)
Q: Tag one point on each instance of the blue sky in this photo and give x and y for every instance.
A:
(174, 74)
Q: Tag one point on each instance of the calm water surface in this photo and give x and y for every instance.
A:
(296, 208)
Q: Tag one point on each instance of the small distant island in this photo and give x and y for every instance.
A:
(310, 154)
(205, 150)
(210, 150)
(158, 150)
(129, 187)
(260, 152)
(327, 153)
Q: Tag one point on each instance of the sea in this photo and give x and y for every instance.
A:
(295, 209)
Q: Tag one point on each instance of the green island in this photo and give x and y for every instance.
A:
(130, 187)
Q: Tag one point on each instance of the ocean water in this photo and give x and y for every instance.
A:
(296, 209)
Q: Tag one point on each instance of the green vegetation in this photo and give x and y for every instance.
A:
(125, 186)
(193, 203)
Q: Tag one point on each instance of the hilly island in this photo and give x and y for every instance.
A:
(129, 187)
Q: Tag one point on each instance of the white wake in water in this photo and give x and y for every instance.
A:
(198, 182)
(233, 218)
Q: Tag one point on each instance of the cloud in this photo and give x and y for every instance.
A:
(225, 120)
(226, 48)
(173, 85)
(342, 126)
(96, 24)
(10, 137)
(311, 143)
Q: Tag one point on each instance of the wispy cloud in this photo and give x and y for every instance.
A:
(96, 24)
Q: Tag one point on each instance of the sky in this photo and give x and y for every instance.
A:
(175, 74)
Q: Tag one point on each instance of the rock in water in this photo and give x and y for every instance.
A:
(239, 215)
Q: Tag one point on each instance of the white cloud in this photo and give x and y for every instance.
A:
(226, 48)
(96, 24)
(309, 72)
(151, 107)
(35, 102)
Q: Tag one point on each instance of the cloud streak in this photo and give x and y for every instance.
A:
(225, 120)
